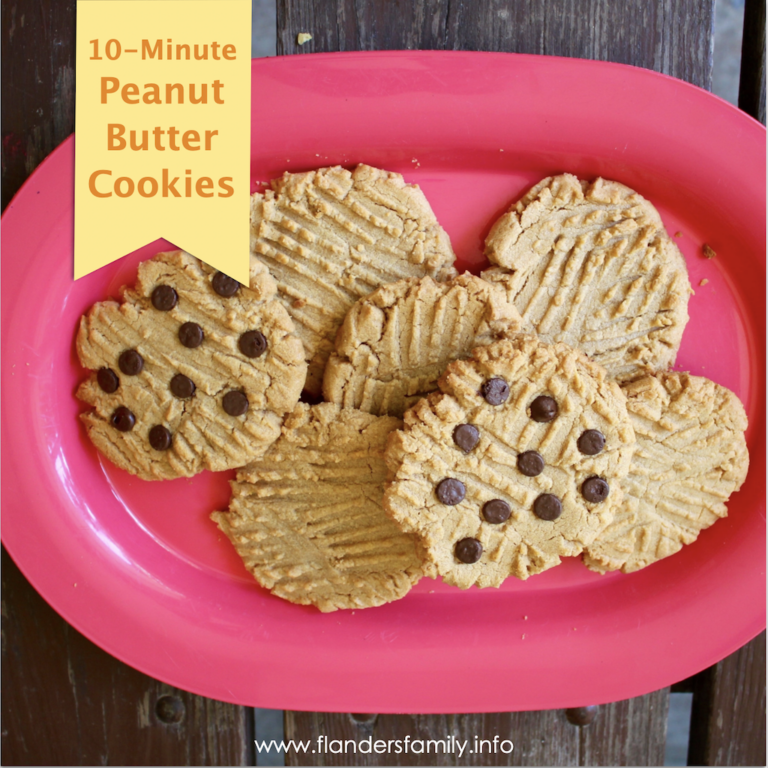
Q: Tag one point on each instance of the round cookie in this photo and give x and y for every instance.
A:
(331, 236)
(490, 473)
(591, 265)
(395, 343)
(691, 455)
(191, 371)
(307, 517)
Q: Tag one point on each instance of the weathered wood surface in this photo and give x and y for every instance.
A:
(67, 702)
(752, 79)
(670, 36)
(38, 62)
(728, 717)
(630, 732)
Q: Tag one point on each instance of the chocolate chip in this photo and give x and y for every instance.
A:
(224, 285)
(591, 442)
(164, 298)
(466, 436)
(131, 362)
(595, 489)
(451, 491)
(496, 511)
(468, 550)
(235, 403)
(123, 419)
(544, 408)
(107, 380)
(191, 335)
(530, 463)
(495, 391)
(160, 438)
(253, 344)
(182, 386)
(547, 507)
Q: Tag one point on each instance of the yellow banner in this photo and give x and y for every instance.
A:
(162, 130)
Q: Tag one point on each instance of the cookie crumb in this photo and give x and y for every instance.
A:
(303, 37)
(704, 281)
(678, 233)
(525, 618)
(709, 252)
(522, 637)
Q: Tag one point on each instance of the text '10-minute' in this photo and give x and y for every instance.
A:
(156, 51)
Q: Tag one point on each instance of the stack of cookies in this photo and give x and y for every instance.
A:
(474, 428)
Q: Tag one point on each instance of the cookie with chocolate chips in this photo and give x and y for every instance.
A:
(691, 455)
(534, 482)
(307, 519)
(190, 370)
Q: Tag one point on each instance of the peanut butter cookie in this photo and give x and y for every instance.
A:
(395, 343)
(691, 456)
(190, 371)
(307, 517)
(592, 266)
(515, 463)
(332, 236)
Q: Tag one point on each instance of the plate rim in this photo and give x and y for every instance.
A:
(286, 61)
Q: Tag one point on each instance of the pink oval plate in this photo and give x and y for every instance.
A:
(138, 567)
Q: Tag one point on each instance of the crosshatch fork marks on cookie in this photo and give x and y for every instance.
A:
(691, 456)
(307, 518)
(332, 236)
(395, 343)
(590, 264)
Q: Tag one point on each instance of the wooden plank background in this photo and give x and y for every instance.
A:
(38, 64)
(66, 702)
(627, 732)
(670, 36)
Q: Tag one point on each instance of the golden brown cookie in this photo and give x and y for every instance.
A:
(332, 236)
(516, 463)
(691, 456)
(190, 371)
(307, 517)
(395, 343)
(593, 267)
